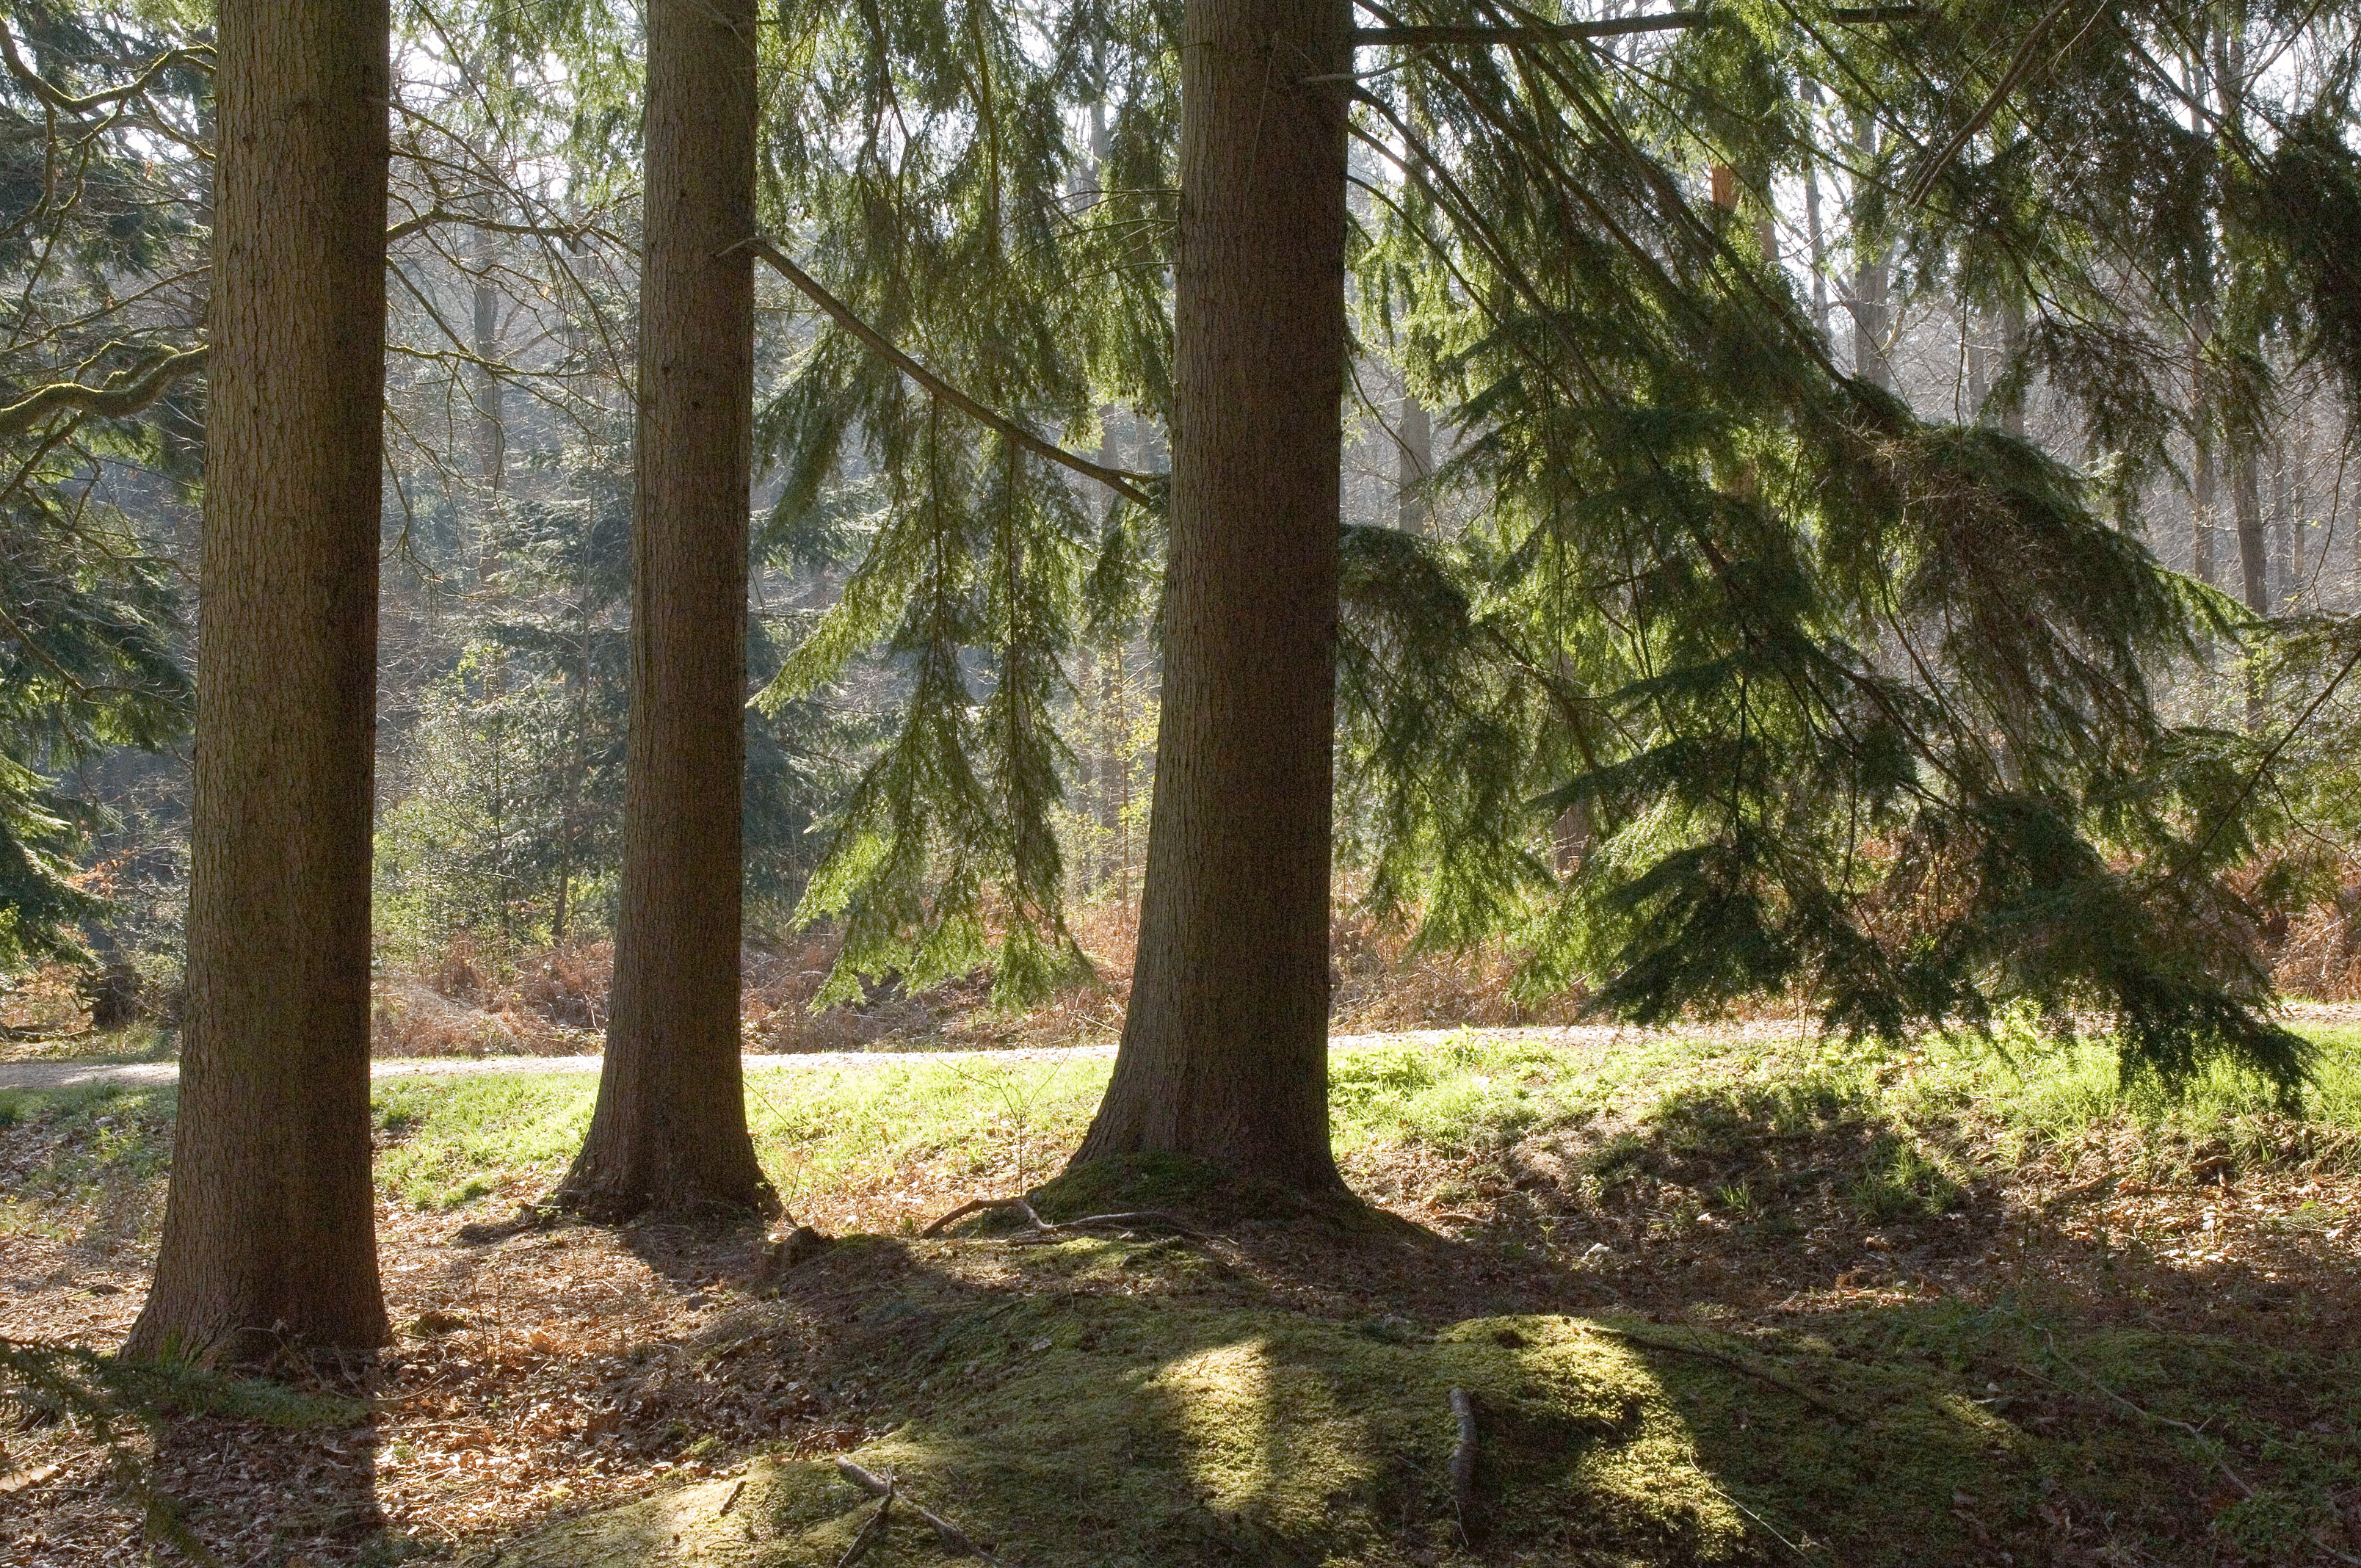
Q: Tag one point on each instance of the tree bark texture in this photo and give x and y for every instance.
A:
(268, 1229)
(1872, 289)
(1225, 1053)
(670, 1129)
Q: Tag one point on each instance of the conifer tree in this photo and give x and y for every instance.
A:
(670, 1128)
(1225, 1044)
(1857, 705)
(269, 1228)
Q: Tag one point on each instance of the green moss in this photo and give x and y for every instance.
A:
(1070, 1424)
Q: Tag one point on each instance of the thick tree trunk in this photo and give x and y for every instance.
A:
(269, 1227)
(670, 1129)
(1225, 1054)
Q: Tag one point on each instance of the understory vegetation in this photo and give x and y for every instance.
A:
(1720, 1297)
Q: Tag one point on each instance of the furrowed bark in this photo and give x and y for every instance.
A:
(670, 1129)
(1225, 1051)
(269, 1227)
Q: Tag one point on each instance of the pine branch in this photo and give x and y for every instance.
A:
(1120, 482)
(1664, 22)
(2015, 75)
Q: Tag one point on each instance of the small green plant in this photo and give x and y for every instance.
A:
(1737, 1200)
(1901, 1182)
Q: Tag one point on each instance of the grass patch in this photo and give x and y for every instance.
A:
(85, 1158)
(85, 1164)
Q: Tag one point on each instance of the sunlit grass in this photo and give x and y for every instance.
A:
(450, 1140)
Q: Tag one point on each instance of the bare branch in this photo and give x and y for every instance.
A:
(125, 392)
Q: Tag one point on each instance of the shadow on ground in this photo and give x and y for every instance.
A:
(1278, 1391)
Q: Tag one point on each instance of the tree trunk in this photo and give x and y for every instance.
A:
(1872, 289)
(490, 395)
(1417, 461)
(268, 1226)
(2254, 564)
(2012, 349)
(2246, 499)
(2287, 531)
(1225, 1054)
(2203, 502)
(670, 1129)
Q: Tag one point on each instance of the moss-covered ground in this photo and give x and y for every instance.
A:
(1149, 1402)
(1716, 1300)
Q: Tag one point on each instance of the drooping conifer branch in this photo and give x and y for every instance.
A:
(1123, 482)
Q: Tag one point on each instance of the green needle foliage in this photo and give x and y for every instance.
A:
(920, 156)
(93, 239)
(1851, 704)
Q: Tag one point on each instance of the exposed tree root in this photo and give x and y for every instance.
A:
(1041, 1230)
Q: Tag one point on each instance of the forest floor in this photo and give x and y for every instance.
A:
(1718, 1298)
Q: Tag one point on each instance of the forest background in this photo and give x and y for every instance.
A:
(2219, 446)
(1846, 512)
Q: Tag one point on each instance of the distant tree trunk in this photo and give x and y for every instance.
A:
(2246, 498)
(670, 1129)
(1225, 1054)
(269, 1227)
(2286, 530)
(1813, 232)
(2204, 502)
(2012, 349)
(1417, 461)
(1978, 357)
(2253, 561)
(1872, 288)
(491, 413)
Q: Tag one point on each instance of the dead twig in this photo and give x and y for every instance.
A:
(952, 1538)
(1041, 1230)
(1462, 1460)
(871, 1529)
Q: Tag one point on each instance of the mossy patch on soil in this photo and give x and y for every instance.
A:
(1092, 1402)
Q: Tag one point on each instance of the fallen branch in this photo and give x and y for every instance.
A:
(1463, 1459)
(985, 1205)
(2213, 1446)
(1116, 480)
(872, 1527)
(1811, 1396)
(953, 1539)
(1042, 1230)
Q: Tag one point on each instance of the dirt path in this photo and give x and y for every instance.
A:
(71, 1074)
